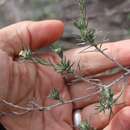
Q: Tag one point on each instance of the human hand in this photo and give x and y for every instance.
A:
(22, 82)
(36, 83)
(93, 63)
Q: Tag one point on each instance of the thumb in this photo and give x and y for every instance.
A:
(12, 38)
(29, 34)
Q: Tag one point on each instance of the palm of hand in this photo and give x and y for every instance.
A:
(39, 83)
(28, 81)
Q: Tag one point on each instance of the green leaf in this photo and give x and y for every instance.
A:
(86, 126)
(87, 35)
(107, 100)
(57, 49)
(54, 94)
(26, 54)
(65, 66)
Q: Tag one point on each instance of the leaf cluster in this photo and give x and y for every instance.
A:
(26, 54)
(85, 126)
(64, 67)
(55, 95)
(107, 100)
(86, 34)
(57, 49)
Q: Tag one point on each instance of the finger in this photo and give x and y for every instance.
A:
(90, 91)
(29, 34)
(94, 62)
(121, 120)
(100, 119)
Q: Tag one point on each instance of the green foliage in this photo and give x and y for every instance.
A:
(86, 34)
(26, 54)
(86, 126)
(54, 94)
(64, 67)
(57, 49)
(107, 100)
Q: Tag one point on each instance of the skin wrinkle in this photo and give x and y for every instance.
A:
(21, 76)
(52, 121)
(6, 61)
(127, 95)
(6, 44)
(10, 46)
(11, 74)
(36, 81)
(118, 51)
(38, 94)
(125, 122)
(46, 81)
(21, 73)
(33, 77)
(61, 114)
(13, 82)
(17, 37)
(22, 37)
(119, 123)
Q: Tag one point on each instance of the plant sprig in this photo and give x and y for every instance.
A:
(26, 54)
(107, 100)
(57, 49)
(55, 95)
(85, 126)
(87, 35)
(63, 67)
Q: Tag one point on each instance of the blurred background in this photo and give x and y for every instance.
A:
(110, 18)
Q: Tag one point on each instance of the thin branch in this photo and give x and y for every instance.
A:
(47, 108)
(113, 60)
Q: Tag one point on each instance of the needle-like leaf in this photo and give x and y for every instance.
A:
(86, 126)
